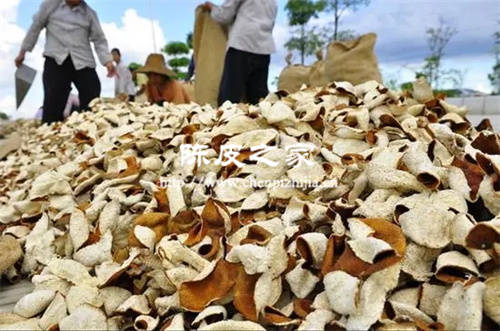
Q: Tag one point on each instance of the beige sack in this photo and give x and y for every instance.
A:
(317, 75)
(10, 252)
(292, 77)
(190, 90)
(353, 61)
(209, 42)
(10, 144)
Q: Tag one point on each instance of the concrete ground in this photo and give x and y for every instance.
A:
(494, 119)
(10, 294)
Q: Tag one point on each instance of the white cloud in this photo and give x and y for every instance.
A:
(134, 36)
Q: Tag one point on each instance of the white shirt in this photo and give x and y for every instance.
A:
(252, 23)
(123, 81)
(69, 32)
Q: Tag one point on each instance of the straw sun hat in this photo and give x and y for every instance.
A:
(155, 63)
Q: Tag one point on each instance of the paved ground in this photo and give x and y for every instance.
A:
(495, 120)
(10, 294)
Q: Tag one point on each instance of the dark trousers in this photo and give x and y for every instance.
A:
(57, 81)
(245, 76)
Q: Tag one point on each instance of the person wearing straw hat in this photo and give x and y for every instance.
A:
(162, 85)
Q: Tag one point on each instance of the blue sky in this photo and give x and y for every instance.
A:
(400, 25)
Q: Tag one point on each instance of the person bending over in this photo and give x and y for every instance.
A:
(162, 85)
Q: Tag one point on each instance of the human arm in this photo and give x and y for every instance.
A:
(100, 42)
(226, 12)
(40, 20)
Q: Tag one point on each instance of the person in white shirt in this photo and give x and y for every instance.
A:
(71, 25)
(250, 44)
(124, 85)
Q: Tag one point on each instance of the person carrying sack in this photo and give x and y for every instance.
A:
(249, 47)
(71, 25)
(162, 86)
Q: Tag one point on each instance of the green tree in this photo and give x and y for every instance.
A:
(189, 40)
(177, 51)
(494, 77)
(304, 40)
(437, 40)
(133, 66)
(4, 116)
(339, 8)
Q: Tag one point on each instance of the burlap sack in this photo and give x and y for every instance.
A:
(10, 144)
(209, 44)
(317, 75)
(292, 77)
(10, 252)
(190, 90)
(353, 61)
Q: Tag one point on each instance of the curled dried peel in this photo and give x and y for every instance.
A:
(301, 280)
(78, 295)
(384, 230)
(34, 303)
(483, 235)
(341, 290)
(370, 249)
(254, 258)
(454, 266)
(54, 313)
(372, 298)
(155, 221)
(210, 312)
(461, 307)
(419, 164)
(196, 295)
(428, 223)
(233, 325)
(244, 289)
(145, 322)
(135, 303)
(312, 247)
(418, 261)
(491, 298)
(84, 317)
(473, 174)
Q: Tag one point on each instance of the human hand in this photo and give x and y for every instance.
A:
(20, 58)
(208, 5)
(111, 68)
(123, 97)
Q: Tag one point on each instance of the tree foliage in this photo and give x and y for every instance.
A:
(177, 62)
(134, 66)
(3, 116)
(494, 76)
(299, 12)
(437, 40)
(176, 48)
(189, 40)
(339, 8)
(305, 40)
